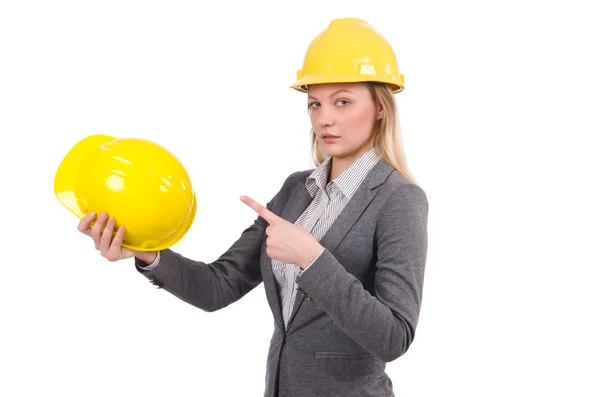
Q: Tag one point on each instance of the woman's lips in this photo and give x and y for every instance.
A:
(330, 138)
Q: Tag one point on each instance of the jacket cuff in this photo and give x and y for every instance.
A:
(306, 268)
(142, 265)
(325, 272)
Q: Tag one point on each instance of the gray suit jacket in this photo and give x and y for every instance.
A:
(358, 304)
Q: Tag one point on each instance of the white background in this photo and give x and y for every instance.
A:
(500, 123)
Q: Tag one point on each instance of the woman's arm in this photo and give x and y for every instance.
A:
(213, 286)
(383, 324)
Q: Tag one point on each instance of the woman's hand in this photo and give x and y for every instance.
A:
(109, 247)
(286, 242)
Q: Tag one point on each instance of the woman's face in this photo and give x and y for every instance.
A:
(346, 111)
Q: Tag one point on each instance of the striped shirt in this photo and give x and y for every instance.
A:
(329, 199)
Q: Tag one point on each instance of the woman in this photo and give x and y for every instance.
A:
(340, 248)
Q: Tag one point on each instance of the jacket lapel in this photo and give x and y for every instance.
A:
(297, 202)
(361, 199)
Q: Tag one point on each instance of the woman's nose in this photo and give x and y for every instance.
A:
(325, 117)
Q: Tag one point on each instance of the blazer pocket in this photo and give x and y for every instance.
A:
(351, 356)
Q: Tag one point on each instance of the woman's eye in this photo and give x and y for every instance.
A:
(342, 102)
(313, 105)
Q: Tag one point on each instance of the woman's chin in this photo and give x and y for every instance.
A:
(331, 150)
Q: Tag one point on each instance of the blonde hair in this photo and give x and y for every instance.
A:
(387, 139)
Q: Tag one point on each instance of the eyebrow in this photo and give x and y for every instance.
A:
(333, 93)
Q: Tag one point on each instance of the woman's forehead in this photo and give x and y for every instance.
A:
(327, 89)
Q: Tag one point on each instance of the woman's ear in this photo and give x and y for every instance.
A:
(379, 111)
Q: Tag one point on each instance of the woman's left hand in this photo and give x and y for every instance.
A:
(286, 242)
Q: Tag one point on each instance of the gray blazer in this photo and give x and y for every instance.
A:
(358, 304)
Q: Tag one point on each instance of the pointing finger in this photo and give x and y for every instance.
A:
(260, 210)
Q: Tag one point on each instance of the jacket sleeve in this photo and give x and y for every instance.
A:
(213, 286)
(383, 324)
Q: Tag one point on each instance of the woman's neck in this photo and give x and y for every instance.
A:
(341, 164)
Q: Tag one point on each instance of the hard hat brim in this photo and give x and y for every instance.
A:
(301, 84)
(66, 175)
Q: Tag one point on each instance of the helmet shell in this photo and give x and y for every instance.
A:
(142, 185)
(350, 50)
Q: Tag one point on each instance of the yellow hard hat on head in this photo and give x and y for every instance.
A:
(139, 183)
(350, 50)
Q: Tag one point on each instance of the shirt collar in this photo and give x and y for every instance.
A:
(349, 180)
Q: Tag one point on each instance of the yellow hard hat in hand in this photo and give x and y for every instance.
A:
(138, 182)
